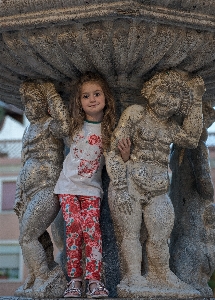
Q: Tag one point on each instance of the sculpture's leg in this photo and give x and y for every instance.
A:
(159, 220)
(58, 234)
(192, 251)
(201, 171)
(47, 244)
(39, 214)
(129, 226)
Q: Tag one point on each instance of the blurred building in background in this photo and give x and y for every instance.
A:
(12, 126)
(211, 147)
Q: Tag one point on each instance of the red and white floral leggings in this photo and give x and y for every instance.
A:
(81, 214)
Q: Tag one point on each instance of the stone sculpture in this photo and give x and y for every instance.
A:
(138, 188)
(126, 41)
(35, 205)
(192, 253)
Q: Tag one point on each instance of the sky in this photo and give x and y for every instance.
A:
(11, 129)
(212, 128)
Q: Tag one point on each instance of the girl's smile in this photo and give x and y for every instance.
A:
(92, 101)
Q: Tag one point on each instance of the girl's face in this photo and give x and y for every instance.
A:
(93, 101)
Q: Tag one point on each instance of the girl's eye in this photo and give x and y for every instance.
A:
(85, 96)
(97, 94)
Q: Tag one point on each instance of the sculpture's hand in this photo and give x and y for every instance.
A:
(124, 147)
(48, 89)
(123, 201)
(198, 88)
(31, 89)
(60, 125)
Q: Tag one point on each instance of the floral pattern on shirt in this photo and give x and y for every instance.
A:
(89, 154)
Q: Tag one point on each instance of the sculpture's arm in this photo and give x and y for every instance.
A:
(188, 135)
(19, 202)
(115, 165)
(60, 124)
(24, 150)
(208, 114)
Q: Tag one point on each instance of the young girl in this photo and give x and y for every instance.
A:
(79, 186)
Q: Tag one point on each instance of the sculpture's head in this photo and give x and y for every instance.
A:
(172, 92)
(33, 100)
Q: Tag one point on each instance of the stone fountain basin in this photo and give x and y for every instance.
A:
(126, 41)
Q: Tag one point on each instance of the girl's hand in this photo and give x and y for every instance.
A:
(124, 147)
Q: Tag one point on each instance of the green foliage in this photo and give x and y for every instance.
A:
(211, 282)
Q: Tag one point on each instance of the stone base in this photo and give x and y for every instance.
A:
(145, 298)
(54, 287)
(134, 292)
(130, 292)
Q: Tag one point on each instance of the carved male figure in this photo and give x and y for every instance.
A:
(42, 156)
(139, 187)
(193, 236)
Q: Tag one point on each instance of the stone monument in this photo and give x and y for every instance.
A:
(128, 42)
(193, 252)
(138, 191)
(36, 206)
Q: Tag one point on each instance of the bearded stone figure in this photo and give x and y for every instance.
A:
(138, 191)
(36, 206)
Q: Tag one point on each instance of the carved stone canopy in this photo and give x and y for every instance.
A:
(127, 41)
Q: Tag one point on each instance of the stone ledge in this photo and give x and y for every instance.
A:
(37, 16)
(159, 298)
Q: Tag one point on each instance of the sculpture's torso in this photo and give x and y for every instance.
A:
(151, 140)
(42, 157)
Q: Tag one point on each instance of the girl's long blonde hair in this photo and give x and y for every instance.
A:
(78, 114)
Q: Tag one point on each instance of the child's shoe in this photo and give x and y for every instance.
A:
(99, 291)
(72, 290)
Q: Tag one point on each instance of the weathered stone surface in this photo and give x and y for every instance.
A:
(35, 204)
(145, 298)
(193, 236)
(138, 191)
(126, 41)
